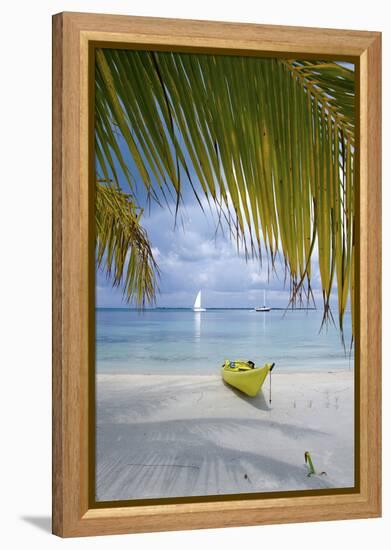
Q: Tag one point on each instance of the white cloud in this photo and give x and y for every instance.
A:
(193, 254)
(156, 253)
(258, 278)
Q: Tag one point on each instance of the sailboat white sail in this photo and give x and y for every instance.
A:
(264, 307)
(197, 303)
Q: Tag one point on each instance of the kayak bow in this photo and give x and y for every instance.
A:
(244, 376)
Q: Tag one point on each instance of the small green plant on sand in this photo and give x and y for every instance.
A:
(310, 464)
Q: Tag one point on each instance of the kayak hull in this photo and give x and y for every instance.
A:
(247, 381)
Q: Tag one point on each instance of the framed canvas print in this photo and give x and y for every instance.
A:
(216, 274)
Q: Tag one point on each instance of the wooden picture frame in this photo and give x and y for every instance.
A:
(74, 37)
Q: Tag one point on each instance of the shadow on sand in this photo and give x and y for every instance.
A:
(259, 401)
(196, 457)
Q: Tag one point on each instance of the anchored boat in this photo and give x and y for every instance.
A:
(263, 308)
(245, 376)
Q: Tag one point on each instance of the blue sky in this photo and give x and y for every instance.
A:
(191, 256)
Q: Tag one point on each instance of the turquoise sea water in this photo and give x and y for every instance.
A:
(183, 342)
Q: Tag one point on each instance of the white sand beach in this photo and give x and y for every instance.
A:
(170, 435)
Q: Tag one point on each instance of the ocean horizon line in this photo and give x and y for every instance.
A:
(190, 308)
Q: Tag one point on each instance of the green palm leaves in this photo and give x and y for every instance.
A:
(123, 246)
(268, 142)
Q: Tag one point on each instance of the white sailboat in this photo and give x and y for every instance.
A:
(264, 307)
(197, 303)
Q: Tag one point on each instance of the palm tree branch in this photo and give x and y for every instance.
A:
(271, 143)
(122, 245)
(332, 86)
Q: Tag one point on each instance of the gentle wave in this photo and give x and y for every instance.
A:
(181, 341)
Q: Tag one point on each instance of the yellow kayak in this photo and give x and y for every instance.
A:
(244, 376)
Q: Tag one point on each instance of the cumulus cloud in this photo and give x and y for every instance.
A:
(193, 254)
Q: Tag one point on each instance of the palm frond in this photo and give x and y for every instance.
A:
(122, 245)
(270, 141)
